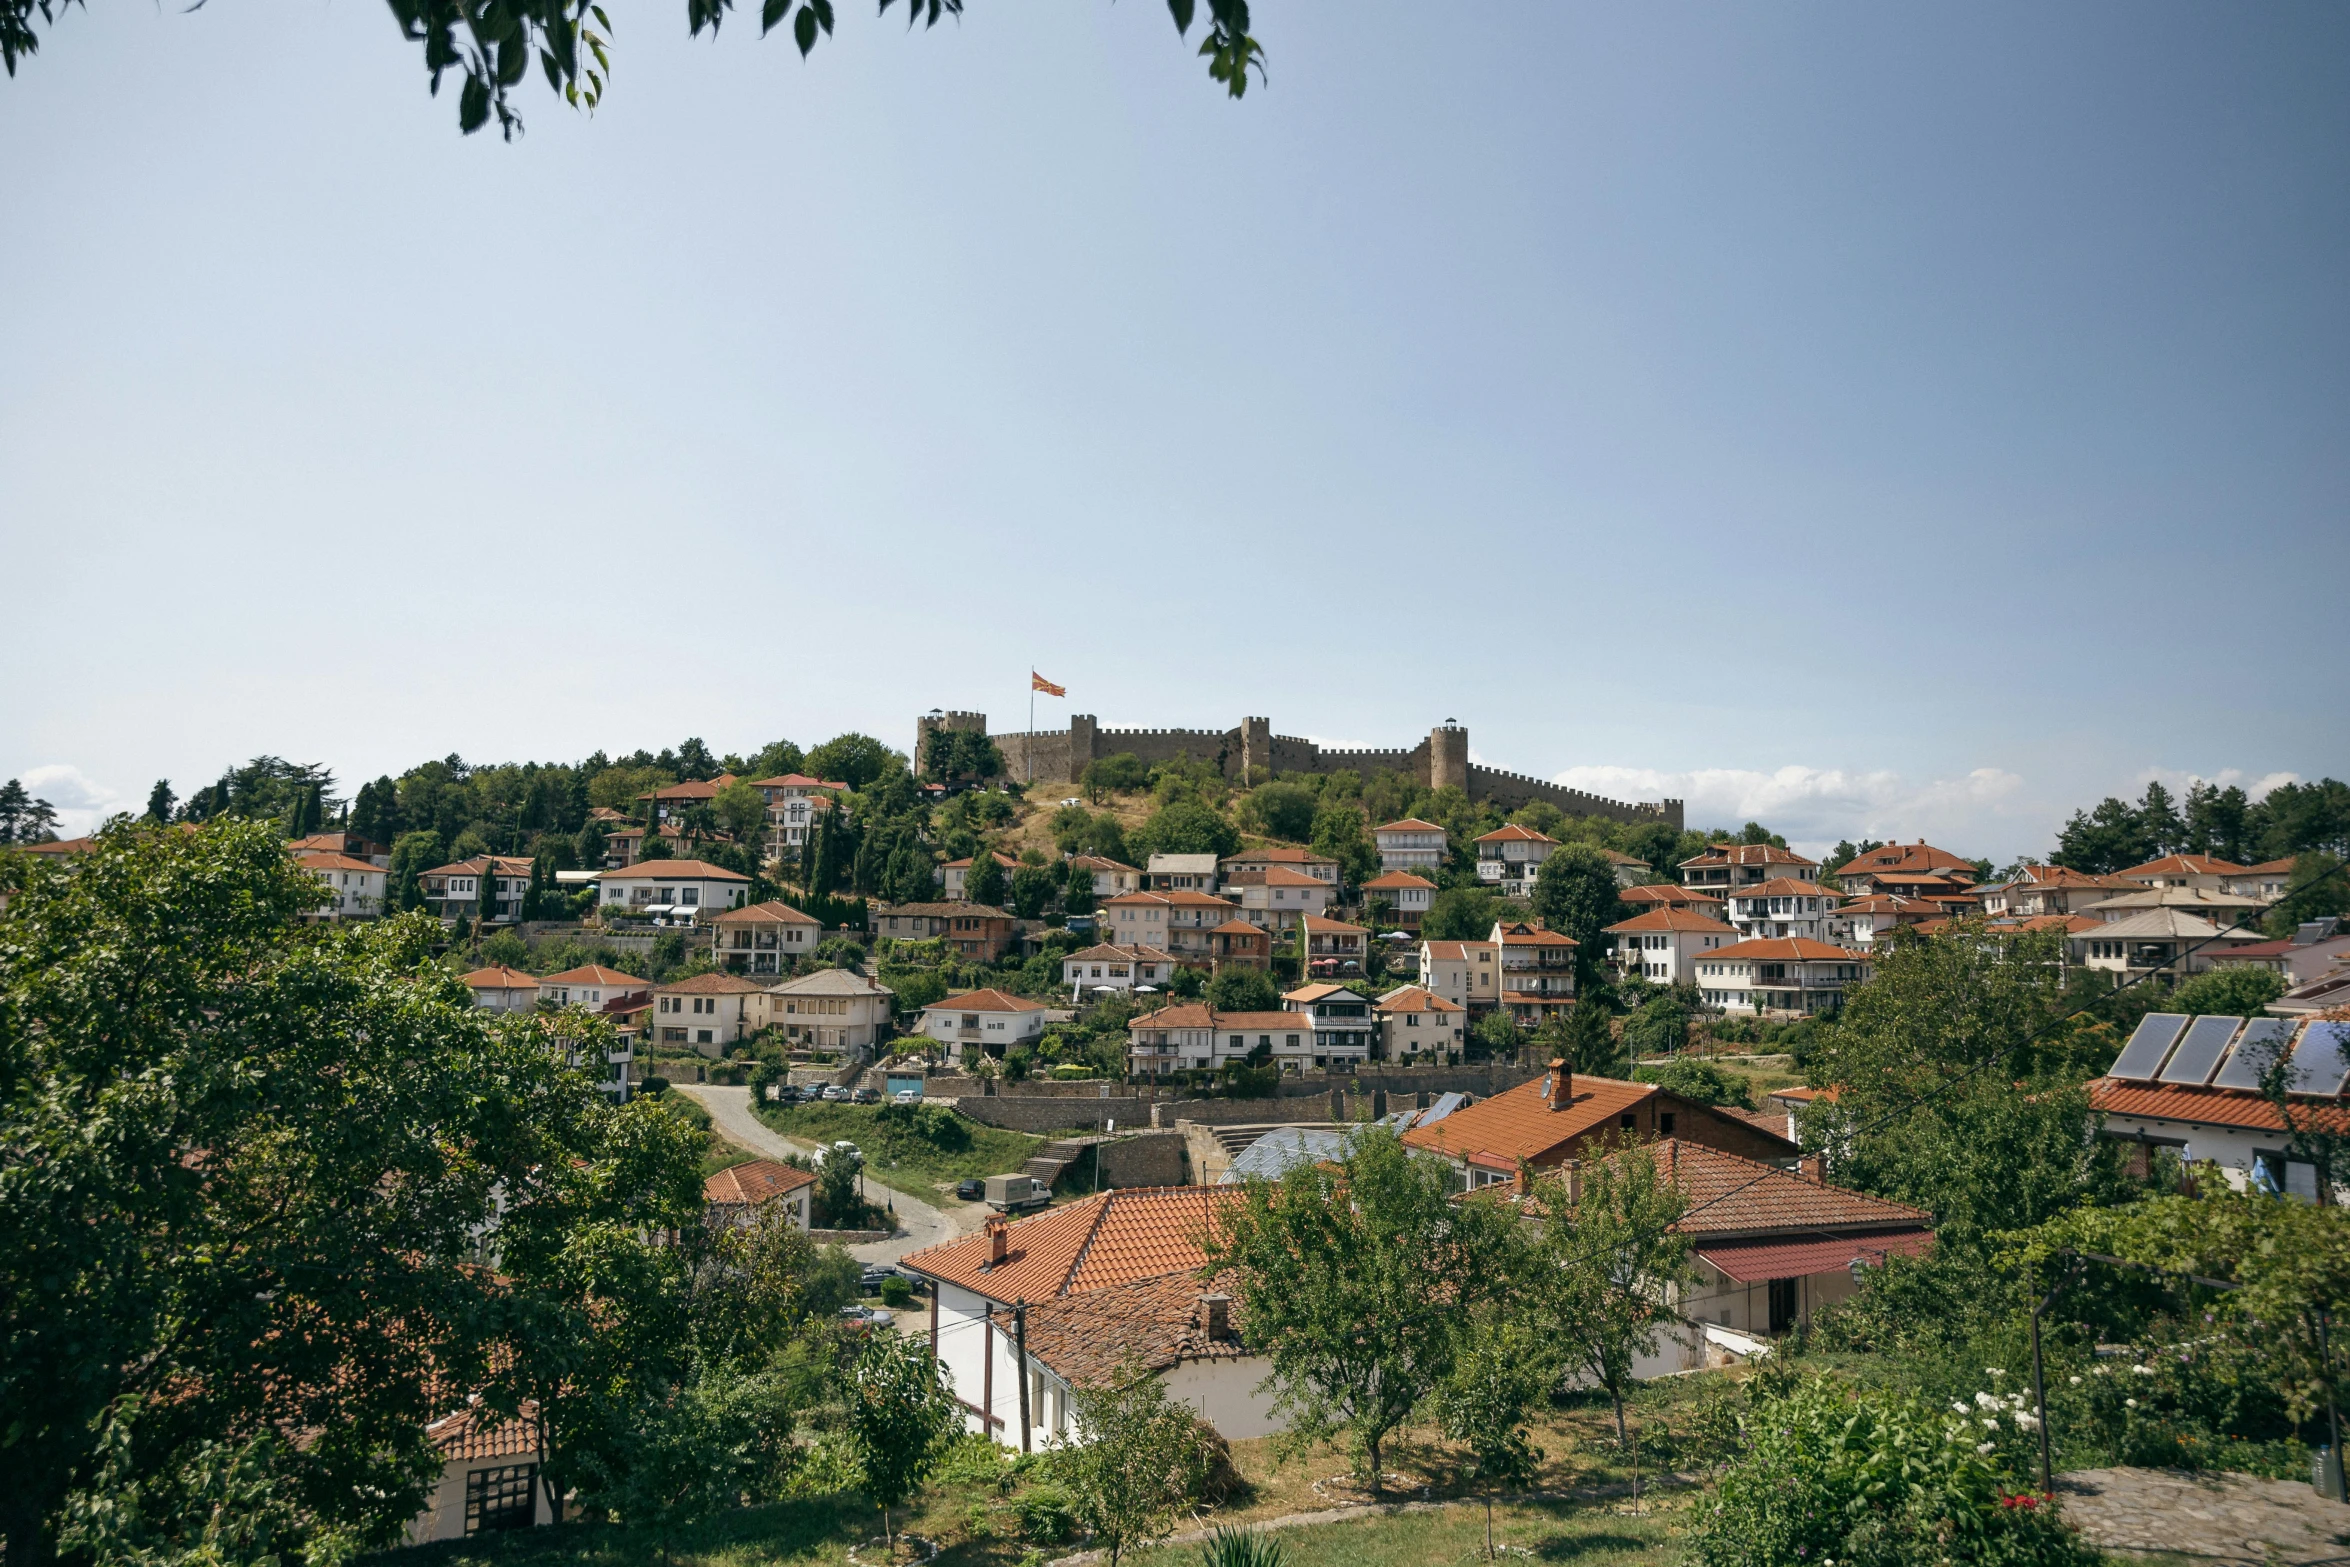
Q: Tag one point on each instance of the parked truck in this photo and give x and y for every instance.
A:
(1017, 1193)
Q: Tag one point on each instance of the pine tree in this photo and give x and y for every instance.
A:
(160, 801)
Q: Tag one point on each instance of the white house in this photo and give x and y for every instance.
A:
(736, 1195)
(2184, 870)
(503, 989)
(2167, 941)
(2266, 881)
(1112, 1278)
(1664, 944)
(762, 938)
(1465, 973)
(1537, 971)
(1181, 873)
(591, 986)
(987, 1021)
(708, 1012)
(1107, 967)
(1784, 906)
(1319, 866)
(1410, 845)
(2192, 1086)
(1188, 1036)
(489, 1477)
(1791, 974)
(1110, 877)
(1864, 921)
(830, 1009)
(1509, 856)
(1278, 898)
(356, 885)
(1344, 1029)
(1725, 867)
(688, 888)
(794, 801)
(461, 890)
(955, 875)
(1407, 896)
(1416, 1024)
(2311, 953)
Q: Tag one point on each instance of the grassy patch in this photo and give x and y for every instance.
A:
(717, 1153)
(897, 1153)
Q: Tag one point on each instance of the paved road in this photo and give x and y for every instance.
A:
(920, 1224)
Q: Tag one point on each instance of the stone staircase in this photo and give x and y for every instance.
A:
(1049, 1163)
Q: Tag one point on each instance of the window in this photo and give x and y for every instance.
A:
(502, 1498)
(1664, 1123)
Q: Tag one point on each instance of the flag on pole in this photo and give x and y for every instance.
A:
(1037, 682)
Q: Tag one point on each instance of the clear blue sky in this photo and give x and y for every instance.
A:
(1892, 419)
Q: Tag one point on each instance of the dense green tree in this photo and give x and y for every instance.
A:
(1575, 893)
(2216, 820)
(2158, 820)
(1282, 810)
(239, 1149)
(984, 881)
(1185, 826)
(1032, 890)
(1464, 914)
(1355, 1281)
(1235, 989)
(375, 811)
(2299, 818)
(1501, 1376)
(2317, 890)
(1497, 1035)
(900, 1419)
(854, 759)
(1695, 1078)
(773, 760)
(1077, 890)
(413, 855)
(23, 819)
(160, 801)
(1145, 1460)
(1586, 1039)
(1338, 833)
(1600, 1279)
(2237, 992)
(742, 811)
(1121, 772)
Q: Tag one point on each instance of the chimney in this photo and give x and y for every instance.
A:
(999, 1240)
(1525, 1181)
(1813, 1167)
(1562, 1083)
(1217, 1309)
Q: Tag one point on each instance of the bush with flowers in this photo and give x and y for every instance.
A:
(1833, 1477)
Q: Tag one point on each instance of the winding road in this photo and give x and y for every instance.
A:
(920, 1224)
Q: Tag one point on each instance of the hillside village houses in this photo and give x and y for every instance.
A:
(502, 989)
(1784, 906)
(985, 1021)
(1462, 972)
(1663, 945)
(1670, 895)
(1180, 873)
(1410, 845)
(762, 938)
(708, 1011)
(1278, 897)
(1333, 948)
(1342, 1026)
(591, 985)
(1725, 866)
(1509, 857)
(356, 885)
(954, 875)
(1407, 895)
(2040, 890)
(1110, 877)
(667, 888)
(829, 1009)
(1105, 967)
(979, 932)
(1537, 969)
(794, 801)
(1416, 1024)
(1866, 919)
(1914, 870)
(486, 889)
(1306, 862)
(1782, 974)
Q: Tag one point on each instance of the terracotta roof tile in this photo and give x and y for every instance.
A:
(335, 862)
(713, 984)
(1387, 880)
(1154, 1323)
(1731, 1195)
(1412, 998)
(768, 913)
(472, 1433)
(672, 870)
(1671, 919)
(990, 1000)
(594, 974)
(1782, 887)
(1785, 949)
(1511, 832)
(1410, 824)
(747, 1184)
(2209, 1106)
(499, 977)
(2185, 865)
(1113, 1238)
(1666, 893)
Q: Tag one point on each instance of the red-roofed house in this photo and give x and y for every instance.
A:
(1670, 895)
(1893, 867)
(794, 801)
(592, 986)
(1241, 944)
(709, 1011)
(1410, 845)
(2049, 889)
(503, 989)
(1724, 867)
(1191, 1036)
(1406, 895)
(1784, 906)
(683, 889)
(736, 1194)
(1791, 975)
(985, 1021)
(978, 931)
(1276, 897)
(1106, 967)
(1319, 866)
(458, 891)
(762, 938)
(1864, 920)
(1110, 877)
(2184, 870)
(2266, 881)
(1462, 972)
(1334, 949)
(489, 1476)
(1662, 945)
(356, 885)
(1416, 1025)
(954, 873)
(1344, 1030)
(1509, 856)
(1537, 969)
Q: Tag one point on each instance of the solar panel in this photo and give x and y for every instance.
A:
(2206, 1041)
(2321, 1062)
(2155, 1034)
(2262, 1041)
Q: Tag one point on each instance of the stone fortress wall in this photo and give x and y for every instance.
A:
(1251, 750)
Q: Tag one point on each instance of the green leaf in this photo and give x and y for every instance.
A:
(1181, 11)
(473, 105)
(772, 12)
(554, 74)
(803, 28)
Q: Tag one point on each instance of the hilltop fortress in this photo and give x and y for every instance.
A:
(1252, 752)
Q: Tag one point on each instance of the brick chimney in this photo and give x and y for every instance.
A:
(1813, 1167)
(1525, 1183)
(999, 1240)
(1217, 1310)
(1562, 1083)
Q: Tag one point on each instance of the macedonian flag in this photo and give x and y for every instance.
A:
(1037, 682)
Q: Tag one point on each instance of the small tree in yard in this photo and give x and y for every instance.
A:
(1144, 1459)
(837, 1191)
(1355, 1281)
(1599, 1280)
(1498, 1379)
(900, 1417)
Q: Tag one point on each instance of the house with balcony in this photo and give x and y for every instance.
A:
(1333, 948)
(502, 989)
(1191, 1036)
(983, 1022)
(1663, 946)
(1179, 922)
(2170, 942)
(1180, 873)
(953, 874)
(738, 1194)
(2039, 890)
(338, 842)
(1110, 877)
(1790, 976)
(1509, 857)
(1319, 866)
(1670, 895)
(624, 846)
(670, 802)
(1279, 897)
(2200, 871)
(1784, 906)
(1418, 1026)
(1241, 944)
(708, 1012)
(1537, 971)
(676, 890)
(1462, 972)
(2220, 908)
(486, 889)
(762, 938)
(794, 802)
(1107, 967)
(976, 931)
(355, 885)
(1897, 867)
(1411, 845)
(830, 1009)
(1862, 922)
(1408, 897)
(2266, 881)
(1725, 867)
(592, 986)
(1344, 1028)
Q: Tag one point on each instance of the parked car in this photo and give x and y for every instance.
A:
(835, 1094)
(866, 1096)
(864, 1319)
(1016, 1193)
(971, 1191)
(870, 1280)
(849, 1148)
(906, 1096)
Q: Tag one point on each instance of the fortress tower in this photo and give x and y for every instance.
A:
(1448, 756)
(976, 722)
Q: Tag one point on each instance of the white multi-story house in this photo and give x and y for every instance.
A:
(1784, 906)
(1663, 945)
(1416, 1024)
(695, 889)
(794, 801)
(592, 986)
(2266, 881)
(762, 938)
(1863, 922)
(1181, 873)
(1537, 971)
(2184, 870)
(460, 890)
(1792, 975)
(830, 1009)
(1410, 845)
(1725, 867)
(1278, 898)
(978, 1022)
(1193, 1036)
(1509, 856)
(356, 885)
(1183, 923)
(1343, 1029)
(1407, 896)
(708, 1012)
(502, 989)
(954, 874)
(1116, 968)
(1319, 866)
(2170, 942)
(2038, 890)
(1464, 973)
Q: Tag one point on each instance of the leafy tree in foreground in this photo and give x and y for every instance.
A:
(1243, 990)
(1145, 1458)
(900, 1417)
(1355, 1281)
(1497, 1382)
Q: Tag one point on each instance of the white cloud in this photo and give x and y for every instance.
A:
(82, 802)
(1983, 812)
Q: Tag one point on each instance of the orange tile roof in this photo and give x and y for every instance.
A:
(1001, 858)
(1747, 854)
(1452, 951)
(499, 977)
(673, 870)
(1275, 855)
(335, 862)
(1233, 927)
(1785, 948)
(508, 865)
(1511, 832)
(594, 974)
(748, 1184)
(1128, 898)
(1782, 887)
(1390, 879)
(1410, 824)
(768, 913)
(472, 1432)
(1187, 899)
(1316, 925)
(1732, 1195)
(1100, 862)
(694, 789)
(1111, 952)
(2185, 865)
(1275, 876)
(1671, 919)
(1918, 856)
(2270, 867)
(989, 1000)
(1888, 903)
(1521, 934)
(1312, 993)
(1519, 1124)
(2209, 1106)
(713, 983)
(1665, 892)
(1112, 1238)
(1154, 1323)
(1413, 998)
(794, 781)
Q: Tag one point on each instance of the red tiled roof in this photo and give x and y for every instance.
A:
(1413, 998)
(1918, 856)
(1389, 879)
(1113, 1238)
(1747, 854)
(2210, 1106)
(990, 1000)
(499, 977)
(1111, 952)
(1732, 1195)
(1785, 948)
(1511, 832)
(713, 983)
(1782, 887)
(1185, 898)
(335, 862)
(1753, 1261)
(1310, 993)
(593, 974)
(673, 870)
(1277, 856)
(1100, 862)
(1671, 919)
(1523, 935)
(1234, 927)
(1519, 1124)
(2268, 867)
(471, 1433)
(794, 781)
(508, 865)
(2184, 865)
(1273, 876)
(747, 1184)
(1452, 951)
(1665, 892)
(1153, 1323)
(1316, 925)
(1410, 824)
(1001, 858)
(1889, 903)
(695, 789)
(771, 912)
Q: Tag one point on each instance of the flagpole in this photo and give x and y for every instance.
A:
(1028, 744)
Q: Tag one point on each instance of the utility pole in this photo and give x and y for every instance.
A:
(1020, 1342)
